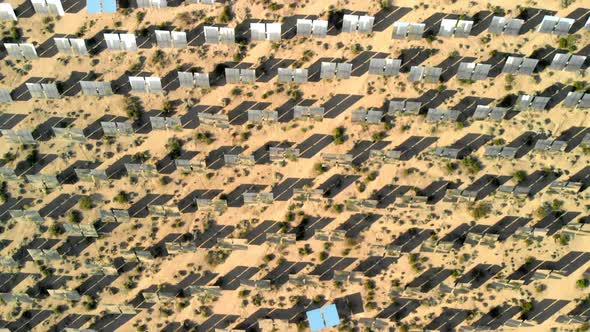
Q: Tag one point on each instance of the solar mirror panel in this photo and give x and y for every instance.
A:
(396, 106)
(350, 23)
(90, 175)
(465, 71)
(358, 116)
(138, 84)
(21, 51)
(50, 90)
(447, 27)
(576, 62)
(316, 113)
(463, 28)
(497, 25)
(365, 24)
(513, 26)
(26, 215)
(523, 102)
(563, 26)
(387, 67)
(202, 80)
(63, 45)
(559, 61)
(509, 152)
(304, 27)
(300, 75)
(19, 136)
(280, 154)
(548, 24)
(540, 103)
(416, 73)
(127, 42)
(481, 71)
(158, 122)
(163, 38)
(577, 99)
(273, 31)
(492, 151)
(232, 75)
(218, 120)
(28, 51)
(113, 41)
(512, 64)
(185, 79)
(328, 70)
(48, 7)
(7, 174)
(528, 66)
(374, 323)
(259, 116)
(7, 12)
(179, 39)
(46, 181)
(258, 31)
(432, 74)
(400, 30)
(211, 34)
(5, 96)
(416, 30)
(343, 70)
(71, 134)
(78, 46)
(248, 76)
(498, 113)
(374, 116)
(227, 36)
(108, 6)
(55, 7)
(392, 67)
(96, 88)
(153, 84)
(320, 28)
(285, 75)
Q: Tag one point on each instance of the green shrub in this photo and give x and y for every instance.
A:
(174, 147)
(121, 197)
(338, 135)
(519, 176)
(85, 203)
(226, 15)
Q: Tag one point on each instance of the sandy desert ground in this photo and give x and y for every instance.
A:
(417, 264)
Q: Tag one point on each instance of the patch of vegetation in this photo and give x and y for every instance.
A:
(121, 197)
(174, 147)
(74, 216)
(141, 157)
(85, 203)
(139, 16)
(205, 137)
(471, 165)
(217, 257)
(519, 176)
(319, 168)
(167, 107)
(338, 135)
(159, 58)
(226, 15)
(526, 307)
(568, 42)
(480, 210)
(133, 109)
